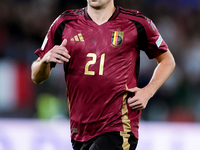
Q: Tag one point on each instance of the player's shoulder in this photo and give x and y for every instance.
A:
(136, 16)
(132, 14)
(72, 13)
(68, 16)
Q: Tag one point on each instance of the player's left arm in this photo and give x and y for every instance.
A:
(164, 69)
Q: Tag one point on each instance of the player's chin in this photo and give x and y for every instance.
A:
(95, 4)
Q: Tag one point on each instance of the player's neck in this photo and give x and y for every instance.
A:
(100, 16)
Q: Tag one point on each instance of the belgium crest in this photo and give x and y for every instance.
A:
(117, 38)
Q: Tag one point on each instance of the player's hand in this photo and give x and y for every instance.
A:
(138, 98)
(58, 54)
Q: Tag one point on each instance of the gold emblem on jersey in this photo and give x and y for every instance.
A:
(74, 130)
(78, 38)
(117, 38)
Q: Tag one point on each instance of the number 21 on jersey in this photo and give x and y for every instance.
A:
(92, 62)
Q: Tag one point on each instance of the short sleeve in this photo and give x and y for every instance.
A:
(48, 42)
(150, 40)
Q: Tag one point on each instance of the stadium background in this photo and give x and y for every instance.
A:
(176, 106)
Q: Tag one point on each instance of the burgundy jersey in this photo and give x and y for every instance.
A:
(104, 63)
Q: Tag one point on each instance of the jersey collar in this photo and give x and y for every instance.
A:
(114, 15)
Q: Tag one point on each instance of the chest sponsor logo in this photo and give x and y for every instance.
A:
(117, 38)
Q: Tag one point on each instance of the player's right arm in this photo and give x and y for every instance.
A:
(41, 68)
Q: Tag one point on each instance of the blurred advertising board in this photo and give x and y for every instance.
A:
(34, 135)
(24, 134)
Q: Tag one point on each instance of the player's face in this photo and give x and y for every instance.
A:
(98, 4)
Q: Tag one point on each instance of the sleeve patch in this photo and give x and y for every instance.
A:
(159, 41)
(44, 43)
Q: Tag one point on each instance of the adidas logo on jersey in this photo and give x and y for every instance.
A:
(78, 37)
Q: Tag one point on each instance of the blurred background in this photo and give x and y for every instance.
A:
(23, 26)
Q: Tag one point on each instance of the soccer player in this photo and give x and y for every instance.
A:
(99, 46)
